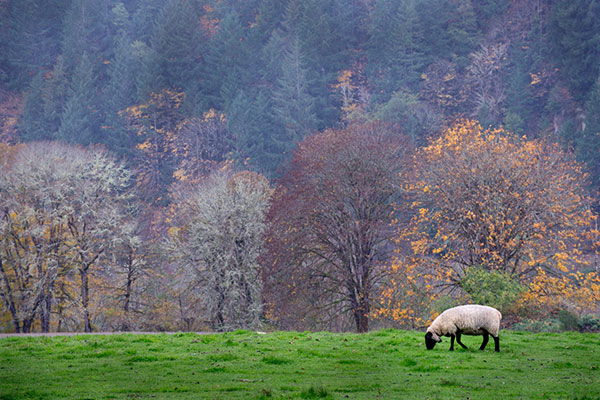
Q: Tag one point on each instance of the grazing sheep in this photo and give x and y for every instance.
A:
(470, 319)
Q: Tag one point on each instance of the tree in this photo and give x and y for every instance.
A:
(201, 146)
(44, 104)
(119, 94)
(80, 120)
(62, 209)
(444, 87)
(484, 72)
(155, 124)
(254, 131)
(32, 37)
(225, 70)
(219, 246)
(33, 124)
(330, 224)
(177, 42)
(294, 107)
(96, 215)
(87, 31)
(588, 146)
(574, 42)
(33, 234)
(486, 199)
(394, 48)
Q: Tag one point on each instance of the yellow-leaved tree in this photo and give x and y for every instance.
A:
(498, 219)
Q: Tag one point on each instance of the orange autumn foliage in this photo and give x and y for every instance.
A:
(485, 198)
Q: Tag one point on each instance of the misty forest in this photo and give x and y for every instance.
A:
(342, 165)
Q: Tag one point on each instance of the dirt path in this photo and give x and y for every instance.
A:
(6, 335)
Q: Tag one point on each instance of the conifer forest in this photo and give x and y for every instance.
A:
(342, 165)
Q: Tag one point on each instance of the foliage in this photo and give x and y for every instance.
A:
(330, 224)
(63, 209)
(179, 88)
(573, 35)
(548, 325)
(508, 205)
(493, 288)
(219, 245)
(244, 364)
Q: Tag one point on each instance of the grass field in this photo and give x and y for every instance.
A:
(386, 364)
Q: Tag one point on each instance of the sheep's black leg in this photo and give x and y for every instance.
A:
(458, 336)
(486, 337)
(496, 343)
(451, 342)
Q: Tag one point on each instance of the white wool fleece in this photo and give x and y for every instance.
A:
(470, 319)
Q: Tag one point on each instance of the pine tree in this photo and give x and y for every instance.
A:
(588, 145)
(33, 124)
(176, 43)
(144, 17)
(225, 69)
(574, 39)
(408, 58)
(119, 94)
(32, 39)
(395, 56)
(44, 104)
(54, 94)
(463, 33)
(294, 107)
(87, 30)
(79, 122)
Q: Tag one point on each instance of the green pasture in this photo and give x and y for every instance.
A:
(386, 364)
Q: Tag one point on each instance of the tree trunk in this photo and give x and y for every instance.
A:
(27, 325)
(85, 299)
(45, 310)
(361, 317)
(8, 298)
(125, 326)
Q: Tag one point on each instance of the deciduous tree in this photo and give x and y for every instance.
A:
(219, 245)
(486, 199)
(62, 209)
(330, 226)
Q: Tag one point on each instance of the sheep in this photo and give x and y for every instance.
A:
(469, 319)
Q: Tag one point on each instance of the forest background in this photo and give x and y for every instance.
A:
(314, 164)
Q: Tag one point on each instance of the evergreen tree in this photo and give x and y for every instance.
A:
(452, 31)
(395, 56)
(588, 146)
(257, 144)
(44, 103)
(31, 39)
(517, 94)
(176, 43)
(54, 94)
(225, 69)
(294, 108)
(269, 18)
(144, 17)
(463, 32)
(574, 39)
(79, 122)
(118, 95)
(120, 20)
(33, 124)
(88, 29)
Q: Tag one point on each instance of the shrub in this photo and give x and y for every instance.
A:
(549, 325)
(492, 287)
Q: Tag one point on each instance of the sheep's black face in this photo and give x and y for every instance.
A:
(429, 341)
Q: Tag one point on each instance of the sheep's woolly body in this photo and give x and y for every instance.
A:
(469, 320)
